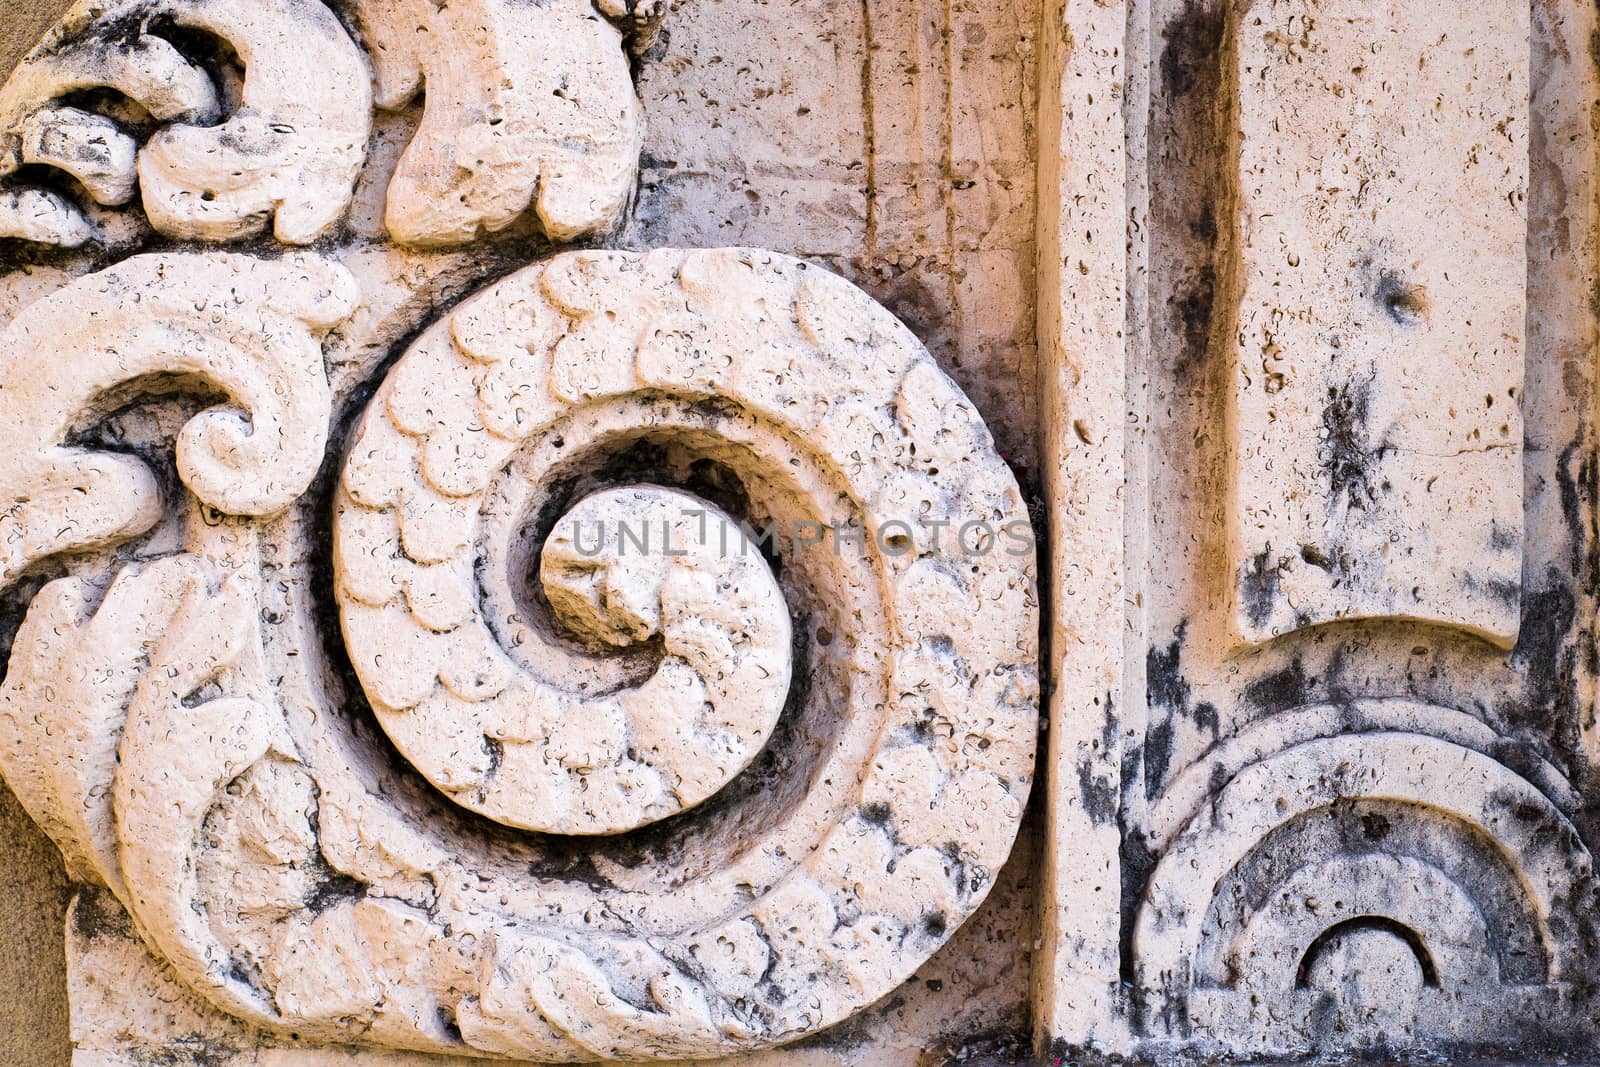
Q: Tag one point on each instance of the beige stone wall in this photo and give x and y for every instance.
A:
(33, 909)
(24, 21)
(33, 886)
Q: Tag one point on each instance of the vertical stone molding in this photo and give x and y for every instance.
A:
(1332, 798)
(799, 534)
(1087, 293)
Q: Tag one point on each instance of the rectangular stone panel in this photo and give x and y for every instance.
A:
(1379, 268)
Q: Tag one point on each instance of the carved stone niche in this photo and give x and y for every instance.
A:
(441, 644)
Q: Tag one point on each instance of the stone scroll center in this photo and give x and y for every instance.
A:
(641, 565)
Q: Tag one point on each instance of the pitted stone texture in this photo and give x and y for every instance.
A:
(247, 327)
(624, 567)
(1381, 270)
(892, 141)
(1403, 884)
(300, 875)
(126, 1005)
(690, 577)
(180, 739)
(282, 147)
(1358, 832)
(527, 105)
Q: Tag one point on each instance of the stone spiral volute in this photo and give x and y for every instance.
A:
(635, 555)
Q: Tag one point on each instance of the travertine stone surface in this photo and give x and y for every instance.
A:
(892, 141)
(298, 114)
(152, 734)
(683, 803)
(526, 104)
(1358, 825)
(517, 532)
(1378, 262)
(1084, 315)
(33, 1017)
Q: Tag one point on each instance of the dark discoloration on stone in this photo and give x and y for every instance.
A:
(877, 814)
(189, 1050)
(1576, 465)
(1315, 556)
(1137, 861)
(1547, 617)
(1281, 689)
(1507, 592)
(1170, 699)
(1552, 657)
(1189, 60)
(989, 1048)
(1402, 302)
(1192, 309)
(1191, 85)
(1348, 458)
(332, 889)
(98, 915)
(1168, 695)
(1099, 797)
(854, 1032)
(1158, 743)
(14, 603)
(1164, 677)
(1260, 585)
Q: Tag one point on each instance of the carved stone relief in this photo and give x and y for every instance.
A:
(1333, 769)
(637, 661)
(499, 559)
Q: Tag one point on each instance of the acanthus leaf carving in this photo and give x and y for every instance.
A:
(286, 154)
(165, 315)
(177, 753)
(75, 667)
(527, 106)
(831, 750)
(221, 830)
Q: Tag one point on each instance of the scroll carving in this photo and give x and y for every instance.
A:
(146, 730)
(519, 749)
(694, 746)
(528, 105)
(285, 152)
(165, 315)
